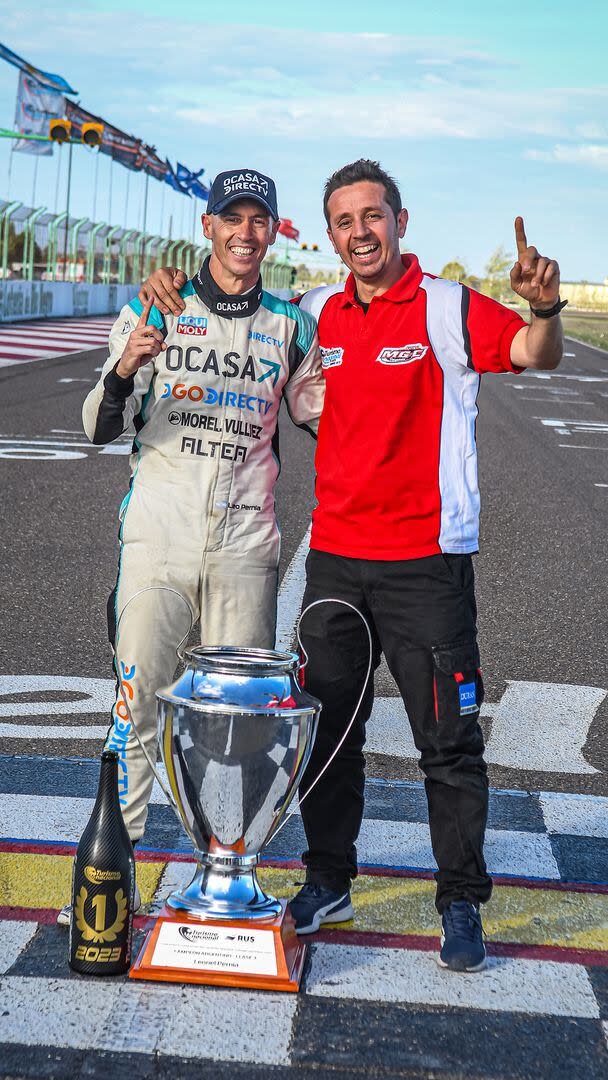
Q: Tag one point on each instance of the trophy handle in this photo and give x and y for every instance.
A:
(315, 603)
(154, 588)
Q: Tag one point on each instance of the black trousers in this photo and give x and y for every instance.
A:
(422, 615)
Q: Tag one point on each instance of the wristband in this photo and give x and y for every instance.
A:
(550, 312)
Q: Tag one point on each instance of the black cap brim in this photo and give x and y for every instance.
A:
(241, 196)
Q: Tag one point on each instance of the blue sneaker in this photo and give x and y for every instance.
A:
(462, 947)
(315, 905)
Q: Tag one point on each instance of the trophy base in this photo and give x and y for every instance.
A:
(223, 952)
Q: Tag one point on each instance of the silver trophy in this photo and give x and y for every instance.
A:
(236, 731)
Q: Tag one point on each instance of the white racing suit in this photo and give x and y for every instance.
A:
(199, 518)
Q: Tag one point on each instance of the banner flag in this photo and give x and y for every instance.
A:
(36, 105)
(199, 190)
(191, 182)
(172, 180)
(52, 82)
(152, 164)
(121, 147)
(288, 229)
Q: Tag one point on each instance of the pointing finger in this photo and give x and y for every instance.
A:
(520, 235)
(516, 275)
(143, 318)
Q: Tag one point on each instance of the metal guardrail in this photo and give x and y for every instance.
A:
(32, 241)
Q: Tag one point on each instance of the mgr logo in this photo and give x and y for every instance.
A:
(194, 325)
(331, 357)
(406, 354)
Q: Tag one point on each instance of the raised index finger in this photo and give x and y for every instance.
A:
(143, 318)
(520, 235)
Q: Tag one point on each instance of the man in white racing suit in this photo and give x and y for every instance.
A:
(202, 391)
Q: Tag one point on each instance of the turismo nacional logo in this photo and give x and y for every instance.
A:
(331, 357)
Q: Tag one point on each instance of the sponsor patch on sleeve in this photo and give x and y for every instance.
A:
(331, 357)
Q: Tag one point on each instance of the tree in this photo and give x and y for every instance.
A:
(453, 271)
(496, 280)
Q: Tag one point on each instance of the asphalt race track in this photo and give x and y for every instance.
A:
(374, 1002)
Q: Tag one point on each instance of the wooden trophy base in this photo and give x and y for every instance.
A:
(265, 955)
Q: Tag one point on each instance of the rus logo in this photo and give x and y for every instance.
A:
(405, 354)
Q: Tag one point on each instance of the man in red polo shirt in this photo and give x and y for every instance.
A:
(393, 534)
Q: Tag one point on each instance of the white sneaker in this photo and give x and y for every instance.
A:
(65, 915)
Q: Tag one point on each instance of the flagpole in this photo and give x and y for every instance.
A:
(59, 160)
(143, 228)
(67, 212)
(10, 169)
(97, 153)
(110, 193)
(162, 208)
(34, 182)
(127, 198)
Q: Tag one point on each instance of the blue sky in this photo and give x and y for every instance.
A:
(480, 114)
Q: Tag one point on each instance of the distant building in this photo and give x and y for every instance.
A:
(585, 295)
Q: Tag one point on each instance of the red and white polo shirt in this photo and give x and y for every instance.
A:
(396, 457)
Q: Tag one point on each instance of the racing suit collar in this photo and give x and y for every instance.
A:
(403, 289)
(242, 306)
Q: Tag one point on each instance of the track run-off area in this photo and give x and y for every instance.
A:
(374, 1003)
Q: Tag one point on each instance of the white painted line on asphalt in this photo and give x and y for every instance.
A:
(543, 726)
(575, 815)
(408, 843)
(95, 695)
(586, 345)
(57, 819)
(176, 875)
(536, 726)
(290, 595)
(116, 448)
(388, 730)
(14, 936)
(414, 977)
(574, 446)
(189, 1021)
(44, 731)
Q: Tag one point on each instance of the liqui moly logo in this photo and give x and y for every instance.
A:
(195, 325)
(405, 354)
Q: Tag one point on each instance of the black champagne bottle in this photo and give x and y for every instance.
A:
(103, 884)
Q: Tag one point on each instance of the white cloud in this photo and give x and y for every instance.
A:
(587, 154)
(291, 84)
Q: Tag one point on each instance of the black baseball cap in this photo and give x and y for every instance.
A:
(242, 184)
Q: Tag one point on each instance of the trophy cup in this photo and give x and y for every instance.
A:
(236, 731)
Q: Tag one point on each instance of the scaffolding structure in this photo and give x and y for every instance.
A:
(34, 247)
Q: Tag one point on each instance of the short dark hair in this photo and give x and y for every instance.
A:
(363, 169)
